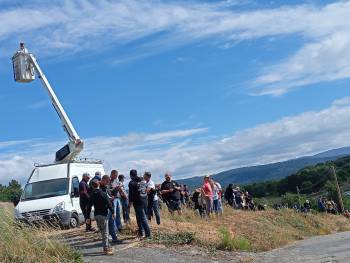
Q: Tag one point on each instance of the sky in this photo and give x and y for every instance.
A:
(187, 87)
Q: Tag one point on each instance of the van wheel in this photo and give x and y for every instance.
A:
(74, 221)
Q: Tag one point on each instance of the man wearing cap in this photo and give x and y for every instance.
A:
(84, 200)
(97, 176)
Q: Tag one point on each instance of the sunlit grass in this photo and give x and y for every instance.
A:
(245, 230)
(23, 244)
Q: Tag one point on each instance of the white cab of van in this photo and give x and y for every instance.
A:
(52, 192)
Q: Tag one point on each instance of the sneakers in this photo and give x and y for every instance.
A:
(144, 237)
(108, 251)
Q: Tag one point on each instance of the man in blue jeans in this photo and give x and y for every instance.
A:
(124, 199)
(115, 190)
(153, 205)
(138, 198)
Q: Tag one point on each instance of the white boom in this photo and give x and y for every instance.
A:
(25, 66)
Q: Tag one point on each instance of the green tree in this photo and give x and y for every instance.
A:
(10, 192)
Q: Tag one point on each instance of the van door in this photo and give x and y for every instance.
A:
(75, 195)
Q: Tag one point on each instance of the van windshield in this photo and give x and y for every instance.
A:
(45, 189)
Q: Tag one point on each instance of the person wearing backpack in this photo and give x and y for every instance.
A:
(138, 199)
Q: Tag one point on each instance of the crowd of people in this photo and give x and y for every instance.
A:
(326, 205)
(239, 199)
(207, 199)
(112, 202)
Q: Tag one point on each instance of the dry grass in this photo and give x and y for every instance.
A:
(30, 245)
(246, 230)
(235, 230)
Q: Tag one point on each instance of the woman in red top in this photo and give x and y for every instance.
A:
(207, 193)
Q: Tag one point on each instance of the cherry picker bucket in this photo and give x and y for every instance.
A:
(23, 70)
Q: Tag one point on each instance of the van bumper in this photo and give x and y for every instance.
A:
(54, 219)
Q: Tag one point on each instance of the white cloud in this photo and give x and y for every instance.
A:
(16, 167)
(324, 61)
(342, 101)
(81, 25)
(190, 153)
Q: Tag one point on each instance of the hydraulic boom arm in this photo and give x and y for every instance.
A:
(25, 65)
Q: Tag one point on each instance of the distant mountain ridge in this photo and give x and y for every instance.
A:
(271, 171)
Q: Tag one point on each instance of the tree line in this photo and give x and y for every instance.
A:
(312, 179)
(10, 192)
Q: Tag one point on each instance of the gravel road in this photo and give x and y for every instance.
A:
(332, 248)
(321, 249)
(133, 251)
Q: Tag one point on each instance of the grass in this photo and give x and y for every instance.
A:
(23, 244)
(227, 242)
(236, 230)
(181, 238)
(240, 230)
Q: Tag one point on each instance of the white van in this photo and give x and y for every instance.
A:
(52, 192)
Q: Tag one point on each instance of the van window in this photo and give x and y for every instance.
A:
(45, 189)
(75, 186)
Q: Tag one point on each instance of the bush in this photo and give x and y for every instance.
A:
(227, 242)
(292, 199)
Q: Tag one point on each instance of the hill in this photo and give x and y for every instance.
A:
(311, 180)
(266, 172)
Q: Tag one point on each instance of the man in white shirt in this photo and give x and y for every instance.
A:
(153, 205)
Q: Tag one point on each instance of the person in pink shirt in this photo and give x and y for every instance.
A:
(207, 193)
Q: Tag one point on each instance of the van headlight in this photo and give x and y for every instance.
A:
(58, 208)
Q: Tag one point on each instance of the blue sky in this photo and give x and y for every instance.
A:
(191, 87)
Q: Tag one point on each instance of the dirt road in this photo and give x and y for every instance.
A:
(322, 249)
(133, 251)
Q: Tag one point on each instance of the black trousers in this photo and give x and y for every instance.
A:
(85, 208)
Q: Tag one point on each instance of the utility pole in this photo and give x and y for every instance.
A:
(298, 192)
(338, 189)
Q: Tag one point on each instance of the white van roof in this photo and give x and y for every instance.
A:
(48, 172)
(56, 171)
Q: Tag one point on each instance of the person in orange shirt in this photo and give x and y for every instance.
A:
(207, 193)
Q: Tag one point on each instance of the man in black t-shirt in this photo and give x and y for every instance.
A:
(171, 194)
(138, 198)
